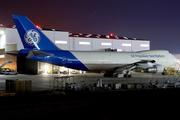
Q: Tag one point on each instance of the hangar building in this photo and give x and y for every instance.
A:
(10, 42)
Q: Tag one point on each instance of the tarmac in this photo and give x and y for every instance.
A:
(98, 105)
(46, 82)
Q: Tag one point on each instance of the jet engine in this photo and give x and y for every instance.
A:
(155, 69)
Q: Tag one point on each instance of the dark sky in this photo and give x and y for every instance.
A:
(155, 20)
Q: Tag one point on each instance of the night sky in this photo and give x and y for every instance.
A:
(155, 20)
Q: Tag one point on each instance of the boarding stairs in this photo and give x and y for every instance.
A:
(6, 62)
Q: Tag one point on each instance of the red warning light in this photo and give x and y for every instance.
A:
(111, 35)
(37, 26)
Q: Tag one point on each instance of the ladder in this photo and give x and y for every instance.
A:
(6, 62)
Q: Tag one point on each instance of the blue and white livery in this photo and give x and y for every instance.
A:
(38, 47)
(32, 37)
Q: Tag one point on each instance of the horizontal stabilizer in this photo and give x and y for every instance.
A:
(38, 54)
(17, 54)
(13, 53)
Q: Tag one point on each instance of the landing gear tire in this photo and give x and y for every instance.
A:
(116, 75)
(108, 75)
(163, 73)
(127, 75)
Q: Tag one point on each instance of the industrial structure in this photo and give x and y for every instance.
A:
(11, 42)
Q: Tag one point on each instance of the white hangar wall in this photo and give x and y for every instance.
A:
(66, 42)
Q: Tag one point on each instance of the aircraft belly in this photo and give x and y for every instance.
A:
(99, 61)
(102, 67)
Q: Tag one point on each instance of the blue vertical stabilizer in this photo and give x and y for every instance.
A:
(31, 36)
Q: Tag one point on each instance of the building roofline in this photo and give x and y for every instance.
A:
(82, 35)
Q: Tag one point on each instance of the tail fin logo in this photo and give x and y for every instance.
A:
(32, 37)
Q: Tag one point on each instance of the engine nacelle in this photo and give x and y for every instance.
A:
(155, 69)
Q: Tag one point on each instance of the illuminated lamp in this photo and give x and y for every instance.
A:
(111, 35)
(46, 67)
(1, 32)
(37, 26)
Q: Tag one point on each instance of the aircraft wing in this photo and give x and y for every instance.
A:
(29, 54)
(145, 61)
(140, 64)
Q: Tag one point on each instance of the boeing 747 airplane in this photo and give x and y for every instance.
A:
(38, 47)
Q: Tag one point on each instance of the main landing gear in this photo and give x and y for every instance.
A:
(110, 75)
(126, 75)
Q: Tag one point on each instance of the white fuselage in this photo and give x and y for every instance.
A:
(107, 61)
